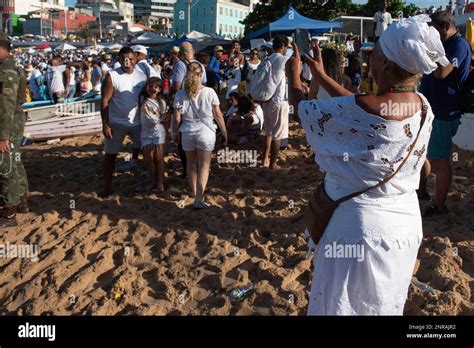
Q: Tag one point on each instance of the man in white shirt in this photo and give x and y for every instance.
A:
(142, 63)
(276, 110)
(33, 83)
(104, 65)
(119, 110)
(55, 80)
(382, 19)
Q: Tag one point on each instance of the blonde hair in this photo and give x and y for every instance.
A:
(193, 79)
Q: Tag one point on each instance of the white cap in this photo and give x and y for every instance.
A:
(140, 49)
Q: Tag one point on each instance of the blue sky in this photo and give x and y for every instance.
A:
(420, 3)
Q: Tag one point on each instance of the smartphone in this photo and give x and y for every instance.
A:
(302, 38)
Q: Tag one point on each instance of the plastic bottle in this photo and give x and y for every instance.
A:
(240, 293)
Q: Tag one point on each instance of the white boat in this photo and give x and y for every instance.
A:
(464, 137)
(64, 127)
(37, 111)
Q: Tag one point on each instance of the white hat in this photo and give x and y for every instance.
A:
(140, 49)
(413, 45)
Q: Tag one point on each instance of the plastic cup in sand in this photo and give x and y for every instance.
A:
(240, 293)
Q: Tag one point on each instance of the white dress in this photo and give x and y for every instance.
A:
(365, 259)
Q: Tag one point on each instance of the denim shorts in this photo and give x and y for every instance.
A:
(441, 140)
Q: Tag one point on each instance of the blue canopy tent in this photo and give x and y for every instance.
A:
(292, 20)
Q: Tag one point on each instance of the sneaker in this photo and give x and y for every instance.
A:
(434, 210)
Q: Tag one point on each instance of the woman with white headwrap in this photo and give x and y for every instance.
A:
(366, 256)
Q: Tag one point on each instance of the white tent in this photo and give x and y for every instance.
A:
(150, 38)
(114, 27)
(115, 47)
(98, 47)
(196, 35)
(135, 30)
(65, 47)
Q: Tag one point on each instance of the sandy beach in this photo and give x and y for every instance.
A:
(155, 255)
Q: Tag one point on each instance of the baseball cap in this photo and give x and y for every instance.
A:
(175, 49)
(140, 49)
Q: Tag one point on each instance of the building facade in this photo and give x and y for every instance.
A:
(22, 7)
(222, 17)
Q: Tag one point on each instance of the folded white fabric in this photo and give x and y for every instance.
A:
(413, 45)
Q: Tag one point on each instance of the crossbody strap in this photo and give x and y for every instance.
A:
(424, 112)
(196, 111)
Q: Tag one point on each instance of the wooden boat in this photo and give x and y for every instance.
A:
(64, 127)
(73, 118)
(43, 110)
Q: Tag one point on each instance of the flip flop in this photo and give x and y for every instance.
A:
(201, 205)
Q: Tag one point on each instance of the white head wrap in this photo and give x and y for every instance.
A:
(413, 45)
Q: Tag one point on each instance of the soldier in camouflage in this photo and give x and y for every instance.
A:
(13, 180)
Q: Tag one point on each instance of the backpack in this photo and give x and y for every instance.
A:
(263, 86)
(466, 95)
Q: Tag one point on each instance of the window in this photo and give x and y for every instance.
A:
(221, 11)
(226, 11)
(220, 27)
(225, 27)
(235, 29)
(204, 11)
(212, 26)
(240, 14)
(203, 27)
(212, 9)
(197, 11)
(231, 13)
(196, 26)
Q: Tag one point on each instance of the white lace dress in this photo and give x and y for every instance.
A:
(364, 261)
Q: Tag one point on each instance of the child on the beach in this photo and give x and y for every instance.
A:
(154, 119)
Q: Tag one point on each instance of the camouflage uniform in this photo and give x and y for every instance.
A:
(13, 180)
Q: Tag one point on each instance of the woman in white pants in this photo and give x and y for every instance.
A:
(195, 108)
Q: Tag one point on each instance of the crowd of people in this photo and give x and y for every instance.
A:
(373, 161)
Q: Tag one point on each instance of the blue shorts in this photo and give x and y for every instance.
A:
(441, 140)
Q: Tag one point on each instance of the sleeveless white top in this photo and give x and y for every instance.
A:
(123, 107)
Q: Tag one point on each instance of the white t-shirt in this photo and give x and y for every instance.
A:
(147, 69)
(383, 20)
(72, 81)
(233, 83)
(278, 71)
(105, 68)
(204, 102)
(123, 106)
(150, 114)
(54, 78)
(34, 89)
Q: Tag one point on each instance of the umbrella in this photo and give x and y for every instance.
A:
(65, 47)
(43, 47)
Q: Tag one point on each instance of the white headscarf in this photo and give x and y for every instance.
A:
(413, 45)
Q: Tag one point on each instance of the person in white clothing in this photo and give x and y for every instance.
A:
(195, 109)
(276, 110)
(234, 78)
(154, 119)
(382, 19)
(142, 63)
(366, 255)
(121, 91)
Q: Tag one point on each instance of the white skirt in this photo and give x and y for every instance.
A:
(365, 259)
